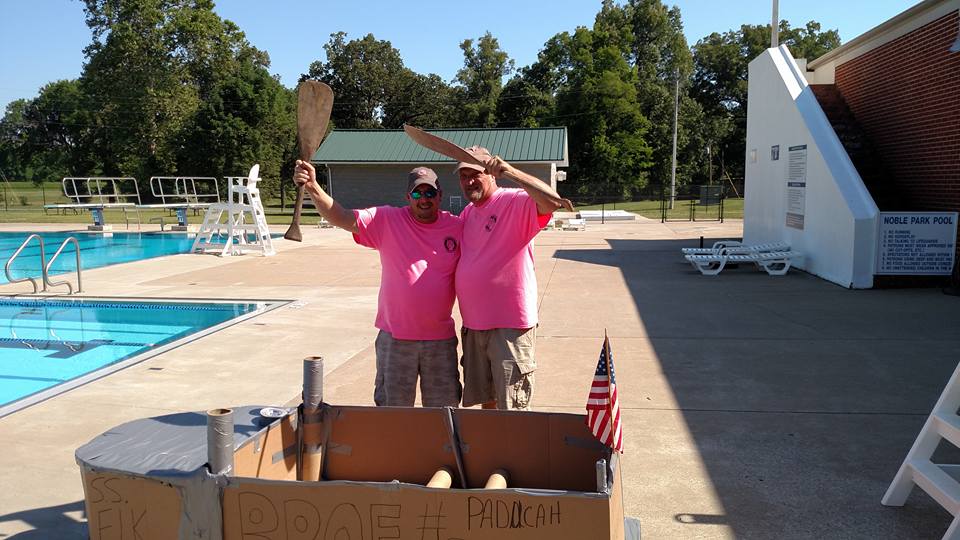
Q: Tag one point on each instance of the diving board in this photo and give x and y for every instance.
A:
(96, 194)
(180, 194)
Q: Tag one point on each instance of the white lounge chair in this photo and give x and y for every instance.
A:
(775, 263)
(734, 246)
(575, 224)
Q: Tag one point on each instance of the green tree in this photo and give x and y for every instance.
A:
(422, 100)
(136, 84)
(173, 88)
(55, 121)
(247, 117)
(598, 99)
(485, 65)
(13, 136)
(364, 75)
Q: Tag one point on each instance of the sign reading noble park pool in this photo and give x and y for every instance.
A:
(916, 243)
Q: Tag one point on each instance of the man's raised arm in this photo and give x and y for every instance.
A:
(546, 198)
(305, 175)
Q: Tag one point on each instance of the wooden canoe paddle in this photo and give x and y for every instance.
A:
(457, 153)
(314, 102)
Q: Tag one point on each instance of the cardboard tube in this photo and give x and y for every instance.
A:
(312, 382)
(310, 444)
(441, 479)
(220, 440)
(498, 480)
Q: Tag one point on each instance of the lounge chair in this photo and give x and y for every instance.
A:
(734, 246)
(775, 263)
(575, 224)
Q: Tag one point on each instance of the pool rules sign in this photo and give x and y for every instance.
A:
(916, 243)
(796, 186)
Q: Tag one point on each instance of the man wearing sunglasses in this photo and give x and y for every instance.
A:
(419, 247)
(495, 281)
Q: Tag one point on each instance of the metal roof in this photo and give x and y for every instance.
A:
(393, 146)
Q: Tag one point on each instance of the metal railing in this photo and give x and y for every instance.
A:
(43, 269)
(46, 269)
(183, 189)
(45, 265)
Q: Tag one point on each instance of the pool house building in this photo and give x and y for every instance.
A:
(369, 167)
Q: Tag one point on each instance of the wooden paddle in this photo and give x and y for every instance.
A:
(451, 150)
(314, 102)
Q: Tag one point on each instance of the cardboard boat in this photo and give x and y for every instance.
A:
(153, 479)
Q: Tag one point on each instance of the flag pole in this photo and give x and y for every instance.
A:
(606, 351)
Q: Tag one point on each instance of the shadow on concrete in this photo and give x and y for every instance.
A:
(48, 522)
(802, 397)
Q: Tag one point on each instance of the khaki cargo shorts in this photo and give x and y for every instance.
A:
(400, 362)
(498, 365)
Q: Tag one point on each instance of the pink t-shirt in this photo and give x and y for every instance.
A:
(417, 264)
(496, 283)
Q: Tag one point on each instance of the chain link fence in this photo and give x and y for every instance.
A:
(695, 202)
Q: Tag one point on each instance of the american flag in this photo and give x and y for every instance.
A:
(603, 410)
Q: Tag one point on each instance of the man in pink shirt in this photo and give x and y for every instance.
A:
(419, 248)
(495, 281)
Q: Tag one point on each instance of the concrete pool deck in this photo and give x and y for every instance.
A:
(753, 406)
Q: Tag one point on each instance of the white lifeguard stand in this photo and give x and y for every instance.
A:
(227, 226)
(940, 480)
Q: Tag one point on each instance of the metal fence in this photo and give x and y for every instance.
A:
(690, 203)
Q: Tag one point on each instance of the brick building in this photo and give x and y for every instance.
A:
(369, 167)
(901, 85)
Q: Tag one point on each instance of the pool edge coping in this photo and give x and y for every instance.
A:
(62, 388)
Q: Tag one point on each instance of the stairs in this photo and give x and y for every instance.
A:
(865, 158)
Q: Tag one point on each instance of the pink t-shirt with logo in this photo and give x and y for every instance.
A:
(417, 262)
(496, 283)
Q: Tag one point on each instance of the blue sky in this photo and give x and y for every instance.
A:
(43, 40)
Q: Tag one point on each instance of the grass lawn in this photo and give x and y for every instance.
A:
(732, 209)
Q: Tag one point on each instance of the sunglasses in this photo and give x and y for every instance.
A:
(427, 194)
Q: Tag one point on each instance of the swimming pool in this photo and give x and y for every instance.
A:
(49, 346)
(96, 250)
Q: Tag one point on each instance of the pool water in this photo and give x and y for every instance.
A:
(96, 250)
(49, 346)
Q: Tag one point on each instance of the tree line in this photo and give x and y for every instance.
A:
(171, 88)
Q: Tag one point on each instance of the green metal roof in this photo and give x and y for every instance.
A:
(393, 146)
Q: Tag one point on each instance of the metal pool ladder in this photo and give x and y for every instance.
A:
(44, 266)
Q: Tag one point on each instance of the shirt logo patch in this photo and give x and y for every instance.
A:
(491, 223)
(450, 244)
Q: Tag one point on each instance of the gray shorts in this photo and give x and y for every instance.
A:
(498, 365)
(400, 362)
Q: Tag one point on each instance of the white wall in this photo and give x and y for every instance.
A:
(838, 240)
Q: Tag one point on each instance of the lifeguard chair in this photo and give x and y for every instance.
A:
(238, 225)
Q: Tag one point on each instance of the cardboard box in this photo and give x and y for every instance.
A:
(375, 463)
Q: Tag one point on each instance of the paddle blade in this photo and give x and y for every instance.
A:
(314, 103)
(440, 145)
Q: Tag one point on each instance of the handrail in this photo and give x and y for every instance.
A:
(43, 270)
(46, 270)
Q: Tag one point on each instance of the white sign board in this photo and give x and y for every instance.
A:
(916, 243)
(796, 185)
